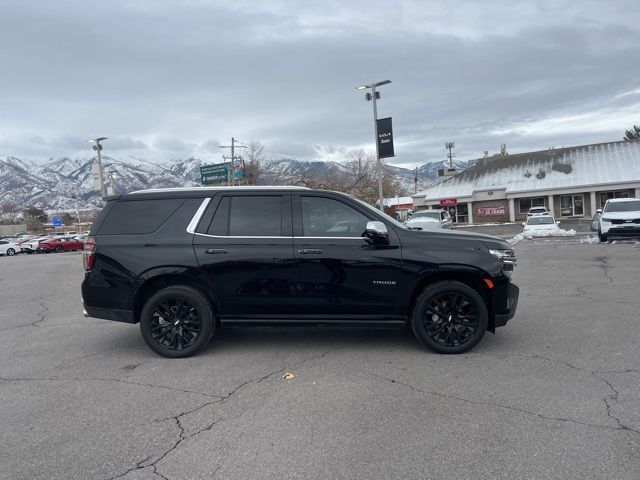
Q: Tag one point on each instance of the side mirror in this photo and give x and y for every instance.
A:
(598, 210)
(376, 233)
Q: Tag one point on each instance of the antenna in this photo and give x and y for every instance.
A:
(450, 146)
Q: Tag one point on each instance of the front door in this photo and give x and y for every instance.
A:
(338, 274)
(246, 252)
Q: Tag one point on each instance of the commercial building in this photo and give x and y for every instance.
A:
(571, 182)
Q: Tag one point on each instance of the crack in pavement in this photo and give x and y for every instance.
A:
(594, 373)
(221, 399)
(500, 405)
(118, 380)
(42, 316)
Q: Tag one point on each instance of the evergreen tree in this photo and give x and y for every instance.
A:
(633, 134)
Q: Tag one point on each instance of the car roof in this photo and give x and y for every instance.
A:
(617, 200)
(195, 192)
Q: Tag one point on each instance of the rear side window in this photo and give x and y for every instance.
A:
(249, 216)
(137, 217)
(326, 217)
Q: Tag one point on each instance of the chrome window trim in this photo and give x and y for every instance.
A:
(191, 228)
(281, 236)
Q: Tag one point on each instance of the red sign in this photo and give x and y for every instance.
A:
(499, 210)
(448, 201)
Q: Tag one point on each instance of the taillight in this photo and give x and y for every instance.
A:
(88, 253)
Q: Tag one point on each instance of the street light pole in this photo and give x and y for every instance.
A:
(98, 148)
(373, 98)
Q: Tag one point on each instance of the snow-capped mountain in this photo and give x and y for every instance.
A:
(57, 183)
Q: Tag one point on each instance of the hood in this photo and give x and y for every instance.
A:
(464, 239)
(621, 215)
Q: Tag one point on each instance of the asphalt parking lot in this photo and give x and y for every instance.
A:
(555, 394)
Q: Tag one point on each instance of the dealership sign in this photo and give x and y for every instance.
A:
(385, 138)
(497, 210)
(448, 201)
(219, 173)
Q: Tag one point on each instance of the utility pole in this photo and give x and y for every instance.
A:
(234, 144)
(415, 181)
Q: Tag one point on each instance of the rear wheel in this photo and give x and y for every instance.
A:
(177, 321)
(59, 249)
(10, 252)
(449, 317)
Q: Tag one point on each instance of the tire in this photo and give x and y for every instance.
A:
(10, 252)
(164, 335)
(435, 330)
(59, 249)
(603, 238)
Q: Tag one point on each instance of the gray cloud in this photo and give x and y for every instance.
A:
(165, 80)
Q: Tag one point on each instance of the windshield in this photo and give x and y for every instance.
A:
(630, 206)
(428, 214)
(540, 221)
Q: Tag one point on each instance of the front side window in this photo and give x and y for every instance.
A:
(326, 217)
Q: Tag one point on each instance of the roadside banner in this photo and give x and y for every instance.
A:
(385, 138)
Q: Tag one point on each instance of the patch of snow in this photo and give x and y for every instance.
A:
(590, 240)
(550, 232)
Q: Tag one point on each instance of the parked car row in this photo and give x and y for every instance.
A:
(41, 244)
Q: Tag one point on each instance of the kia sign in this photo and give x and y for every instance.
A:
(448, 201)
(385, 138)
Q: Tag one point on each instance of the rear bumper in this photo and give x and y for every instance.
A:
(125, 316)
(503, 316)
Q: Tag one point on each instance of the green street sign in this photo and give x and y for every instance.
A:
(214, 174)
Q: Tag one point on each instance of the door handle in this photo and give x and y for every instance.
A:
(310, 251)
(216, 251)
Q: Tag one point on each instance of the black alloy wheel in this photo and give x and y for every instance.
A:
(177, 321)
(59, 249)
(450, 317)
(10, 252)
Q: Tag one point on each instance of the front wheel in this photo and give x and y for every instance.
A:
(10, 252)
(602, 237)
(59, 249)
(177, 321)
(449, 317)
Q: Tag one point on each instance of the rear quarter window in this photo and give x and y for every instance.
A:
(138, 217)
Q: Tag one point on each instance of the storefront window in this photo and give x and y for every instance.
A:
(604, 196)
(527, 203)
(462, 213)
(571, 205)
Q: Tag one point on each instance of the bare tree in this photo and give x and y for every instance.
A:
(255, 156)
(8, 213)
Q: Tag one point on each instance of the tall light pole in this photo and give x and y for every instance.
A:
(234, 144)
(373, 96)
(98, 148)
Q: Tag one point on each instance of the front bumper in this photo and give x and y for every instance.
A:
(623, 231)
(509, 309)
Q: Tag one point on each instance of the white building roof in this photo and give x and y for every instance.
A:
(571, 167)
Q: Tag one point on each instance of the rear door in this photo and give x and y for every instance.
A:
(339, 275)
(244, 246)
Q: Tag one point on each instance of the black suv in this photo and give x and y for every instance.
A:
(184, 262)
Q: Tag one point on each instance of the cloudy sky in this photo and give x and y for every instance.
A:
(170, 79)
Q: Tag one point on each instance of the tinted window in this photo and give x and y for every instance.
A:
(540, 221)
(255, 216)
(325, 217)
(220, 221)
(139, 216)
(432, 214)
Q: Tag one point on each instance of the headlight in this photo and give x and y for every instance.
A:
(508, 258)
(605, 220)
(507, 254)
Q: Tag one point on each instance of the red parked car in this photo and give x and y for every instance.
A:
(64, 244)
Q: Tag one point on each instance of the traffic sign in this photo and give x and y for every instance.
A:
(57, 222)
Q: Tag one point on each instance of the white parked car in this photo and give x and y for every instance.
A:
(540, 222)
(620, 217)
(8, 248)
(538, 211)
(441, 217)
(31, 245)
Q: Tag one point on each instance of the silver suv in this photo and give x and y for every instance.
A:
(429, 219)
